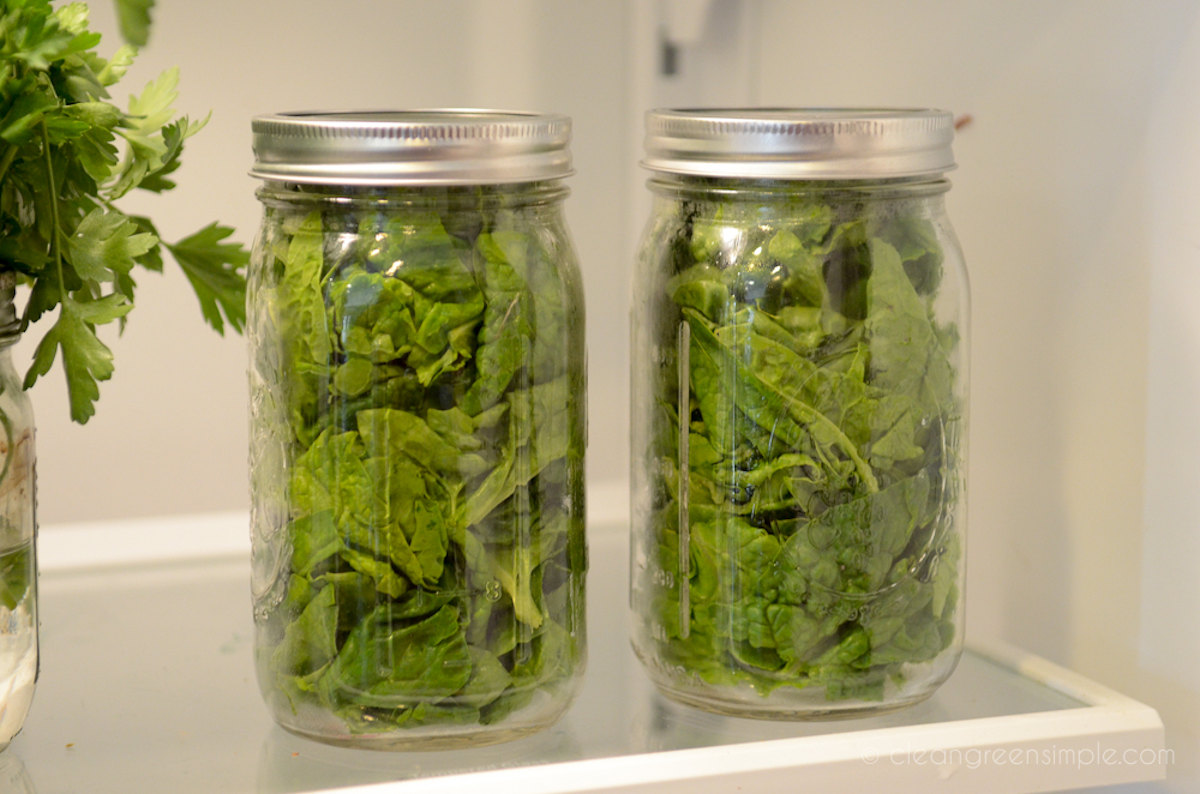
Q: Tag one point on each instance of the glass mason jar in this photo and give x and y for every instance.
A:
(418, 424)
(799, 412)
(18, 528)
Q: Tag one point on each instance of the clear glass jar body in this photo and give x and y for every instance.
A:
(798, 535)
(418, 425)
(18, 566)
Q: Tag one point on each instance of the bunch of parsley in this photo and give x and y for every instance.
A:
(67, 155)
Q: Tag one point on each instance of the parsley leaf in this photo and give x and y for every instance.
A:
(133, 16)
(143, 127)
(85, 358)
(106, 244)
(214, 269)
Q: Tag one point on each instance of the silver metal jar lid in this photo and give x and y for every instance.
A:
(812, 143)
(411, 147)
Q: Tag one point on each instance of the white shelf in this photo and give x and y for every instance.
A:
(148, 685)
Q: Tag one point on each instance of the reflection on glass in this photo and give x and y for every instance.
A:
(288, 763)
(14, 777)
(980, 688)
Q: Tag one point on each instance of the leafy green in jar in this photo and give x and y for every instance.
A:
(821, 431)
(16, 575)
(419, 363)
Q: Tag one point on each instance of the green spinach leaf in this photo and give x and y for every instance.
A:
(823, 472)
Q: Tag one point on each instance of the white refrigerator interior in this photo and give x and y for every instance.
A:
(182, 713)
(1075, 201)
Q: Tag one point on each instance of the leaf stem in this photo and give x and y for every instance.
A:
(10, 154)
(55, 232)
(9, 447)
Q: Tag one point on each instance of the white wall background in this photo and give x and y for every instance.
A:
(1076, 202)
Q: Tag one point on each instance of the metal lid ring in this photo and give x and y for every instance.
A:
(415, 147)
(800, 143)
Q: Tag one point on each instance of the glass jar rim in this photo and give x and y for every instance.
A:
(800, 143)
(729, 188)
(449, 198)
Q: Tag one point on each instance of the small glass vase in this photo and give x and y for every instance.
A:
(18, 567)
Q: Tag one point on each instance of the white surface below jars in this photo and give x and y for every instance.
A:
(148, 685)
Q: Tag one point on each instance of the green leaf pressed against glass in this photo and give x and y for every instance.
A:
(430, 395)
(823, 460)
(16, 575)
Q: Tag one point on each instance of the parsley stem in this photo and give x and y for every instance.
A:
(10, 154)
(10, 445)
(55, 245)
